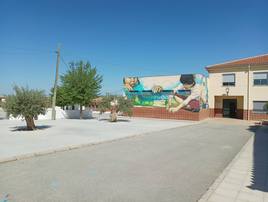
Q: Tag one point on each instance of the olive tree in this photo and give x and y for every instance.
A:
(27, 103)
(116, 104)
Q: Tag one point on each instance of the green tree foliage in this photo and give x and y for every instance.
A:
(266, 106)
(26, 103)
(81, 84)
(116, 104)
(63, 98)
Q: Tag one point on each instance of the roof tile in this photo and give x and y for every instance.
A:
(256, 60)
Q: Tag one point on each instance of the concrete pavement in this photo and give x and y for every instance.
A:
(246, 177)
(64, 134)
(176, 165)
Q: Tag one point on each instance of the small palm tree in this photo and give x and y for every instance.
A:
(116, 104)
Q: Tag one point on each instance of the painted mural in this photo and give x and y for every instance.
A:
(187, 91)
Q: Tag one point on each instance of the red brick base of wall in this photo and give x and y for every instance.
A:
(241, 114)
(257, 116)
(162, 113)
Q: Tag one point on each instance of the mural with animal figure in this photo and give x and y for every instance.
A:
(187, 91)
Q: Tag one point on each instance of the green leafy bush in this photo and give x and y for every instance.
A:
(116, 104)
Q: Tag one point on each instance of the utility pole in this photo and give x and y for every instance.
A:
(53, 117)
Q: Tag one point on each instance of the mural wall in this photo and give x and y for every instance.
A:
(187, 91)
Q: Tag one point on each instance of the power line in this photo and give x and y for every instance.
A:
(64, 62)
(25, 51)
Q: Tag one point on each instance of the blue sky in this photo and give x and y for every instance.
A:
(125, 37)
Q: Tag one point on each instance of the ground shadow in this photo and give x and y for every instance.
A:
(260, 159)
(24, 128)
(119, 120)
(86, 118)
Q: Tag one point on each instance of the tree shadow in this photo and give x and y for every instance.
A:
(77, 118)
(260, 159)
(118, 120)
(24, 128)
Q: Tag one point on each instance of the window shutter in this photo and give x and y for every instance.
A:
(260, 76)
(228, 78)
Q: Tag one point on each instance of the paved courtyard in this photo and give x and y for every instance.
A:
(69, 133)
(246, 177)
(172, 165)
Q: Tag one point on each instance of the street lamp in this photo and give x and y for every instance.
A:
(227, 91)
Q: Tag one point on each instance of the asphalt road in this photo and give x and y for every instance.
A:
(174, 165)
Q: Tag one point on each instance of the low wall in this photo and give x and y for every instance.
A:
(75, 114)
(162, 113)
(241, 114)
(62, 114)
(218, 113)
(3, 114)
(256, 116)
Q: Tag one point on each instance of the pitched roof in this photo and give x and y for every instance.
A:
(255, 60)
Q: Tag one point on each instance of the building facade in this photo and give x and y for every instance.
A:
(239, 89)
(234, 89)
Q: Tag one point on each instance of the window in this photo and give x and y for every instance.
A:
(228, 79)
(260, 106)
(260, 78)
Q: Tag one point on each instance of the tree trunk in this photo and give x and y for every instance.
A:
(113, 116)
(30, 123)
(81, 112)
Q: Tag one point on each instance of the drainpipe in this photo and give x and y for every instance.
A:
(248, 94)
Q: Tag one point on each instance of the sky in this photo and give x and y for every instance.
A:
(125, 37)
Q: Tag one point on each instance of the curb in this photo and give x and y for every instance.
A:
(222, 176)
(79, 146)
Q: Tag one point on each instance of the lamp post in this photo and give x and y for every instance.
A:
(227, 91)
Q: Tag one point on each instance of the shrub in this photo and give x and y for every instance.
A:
(26, 103)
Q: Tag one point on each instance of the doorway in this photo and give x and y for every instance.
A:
(229, 108)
